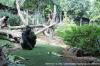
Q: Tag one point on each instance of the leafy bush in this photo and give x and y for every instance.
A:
(9, 3)
(14, 20)
(86, 37)
(11, 59)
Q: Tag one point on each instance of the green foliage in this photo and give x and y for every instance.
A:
(30, 4)
(3, 37)
(13, 60)
(75, 7)
(97, 4)
(47, 10)
(14, 20)
(95, 11)
(44, 6)
(36, 4)
(4, 42)
(81, 8)
(37, 17)
(39, 56)
(85, 37)
(61, 31)
(9, 3)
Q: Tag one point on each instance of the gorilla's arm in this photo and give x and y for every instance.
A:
(25, 39)
(34, 37)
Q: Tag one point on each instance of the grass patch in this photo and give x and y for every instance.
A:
(40, 55)
(4, 42)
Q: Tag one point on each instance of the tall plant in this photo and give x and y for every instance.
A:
(85, 37)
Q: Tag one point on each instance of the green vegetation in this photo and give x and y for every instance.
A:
(12, 60)
(85, 34)
(86, 37)
(9, 3)
(14, 20)
(40, 55)
(4, 42)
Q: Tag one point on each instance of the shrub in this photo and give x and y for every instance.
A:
(14, 20)
(85, 37)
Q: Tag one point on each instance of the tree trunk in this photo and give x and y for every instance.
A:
(19, 13)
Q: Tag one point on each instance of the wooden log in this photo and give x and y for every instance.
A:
(45, 28)
(13, 33)
(5, 31)
(16, 34)
(83, 60)
(23, 26)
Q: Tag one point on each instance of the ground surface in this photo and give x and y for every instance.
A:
(56, 41)
(41, 55)
(45, 53)
(48, 52)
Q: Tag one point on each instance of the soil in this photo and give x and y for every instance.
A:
(56, 41)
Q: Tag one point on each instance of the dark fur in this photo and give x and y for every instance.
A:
(29, 39)
(83, 20)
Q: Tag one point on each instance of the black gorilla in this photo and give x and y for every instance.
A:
(83, 20)
(29, 39)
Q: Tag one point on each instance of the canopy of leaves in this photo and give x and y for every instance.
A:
(9, 3)
(35, 4)
(95, 10)
(75, 7)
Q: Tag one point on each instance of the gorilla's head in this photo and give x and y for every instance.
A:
(28, 29)
(6, 18)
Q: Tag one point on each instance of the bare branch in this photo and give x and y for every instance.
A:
(19, 13)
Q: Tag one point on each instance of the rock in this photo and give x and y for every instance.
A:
(76, 52)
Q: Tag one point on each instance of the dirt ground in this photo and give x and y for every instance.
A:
(56, 41)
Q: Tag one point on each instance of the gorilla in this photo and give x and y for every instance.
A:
(83, 20)
(28, 38)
